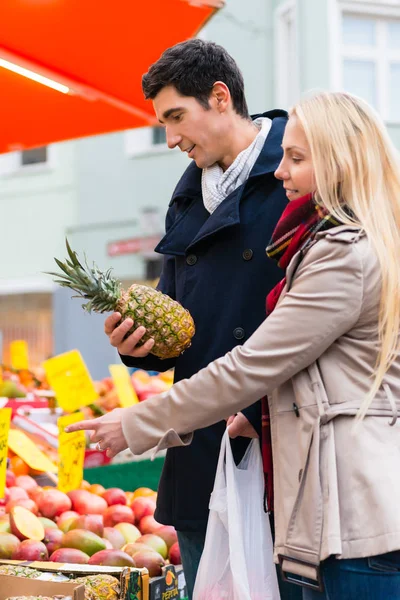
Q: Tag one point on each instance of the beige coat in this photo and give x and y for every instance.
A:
(337, 491)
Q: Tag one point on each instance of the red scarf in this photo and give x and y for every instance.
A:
(301, 220)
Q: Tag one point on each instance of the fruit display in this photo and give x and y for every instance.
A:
(91, 525)
(166, 321)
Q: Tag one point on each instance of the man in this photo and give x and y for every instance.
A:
(220, 219)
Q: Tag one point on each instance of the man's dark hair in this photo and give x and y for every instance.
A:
(193, 67)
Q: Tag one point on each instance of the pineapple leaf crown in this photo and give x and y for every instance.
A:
(100, 289)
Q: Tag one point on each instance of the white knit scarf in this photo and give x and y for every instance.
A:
(217, 184)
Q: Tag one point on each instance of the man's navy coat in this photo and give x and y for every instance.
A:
(216, 267)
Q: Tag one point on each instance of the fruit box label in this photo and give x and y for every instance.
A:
(5, 417)
(69, 377)
(170, 585)
(71, 454)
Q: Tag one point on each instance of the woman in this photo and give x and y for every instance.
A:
(326, 356)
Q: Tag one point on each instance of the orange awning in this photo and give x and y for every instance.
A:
(98, 49)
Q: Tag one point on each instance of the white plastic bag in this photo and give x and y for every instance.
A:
(237, 561)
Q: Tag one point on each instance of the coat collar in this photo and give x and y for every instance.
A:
(267, 162)
(196, 224)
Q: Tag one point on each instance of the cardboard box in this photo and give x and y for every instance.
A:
(134, 583)
(18, 586)
(170, 585)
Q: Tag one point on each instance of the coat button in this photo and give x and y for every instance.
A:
(238, 333)
(191, 259)
(247, 254)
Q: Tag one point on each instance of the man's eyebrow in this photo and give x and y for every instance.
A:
(170, 111)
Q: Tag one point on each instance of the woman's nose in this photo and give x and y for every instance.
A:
(281, 173)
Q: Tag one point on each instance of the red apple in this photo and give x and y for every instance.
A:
(143, 507)
(114, 496)
(118, 513)
(52, 503)
(175, 554)
(148, 525)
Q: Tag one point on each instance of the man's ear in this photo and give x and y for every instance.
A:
(220, 96)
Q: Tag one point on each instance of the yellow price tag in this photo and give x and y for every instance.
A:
(69, 377)
(71, 454)
(26, 449)
(5, 418)
(19, 354)
(123, 384)
(1, 375)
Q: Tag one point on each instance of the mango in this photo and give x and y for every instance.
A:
(8, 544)
(81, 539)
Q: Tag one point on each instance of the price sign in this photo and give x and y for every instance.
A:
(19, 354)
(5, 417)
(69, 377)
(123, 384)
(71, 454)
(26, 449)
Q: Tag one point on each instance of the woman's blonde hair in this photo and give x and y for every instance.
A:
(357, 167)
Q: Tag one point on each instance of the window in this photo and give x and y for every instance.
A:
(34, 156)
(25, 161)
(286, 55)
(144, 140)
(370, 60)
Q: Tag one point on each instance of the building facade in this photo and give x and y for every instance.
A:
(109, 194)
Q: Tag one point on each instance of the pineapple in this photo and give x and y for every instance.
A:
(19, 571)
(100, 587)
(165, 320)
(37, 597)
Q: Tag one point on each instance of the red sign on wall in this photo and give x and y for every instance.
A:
(133, 245)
